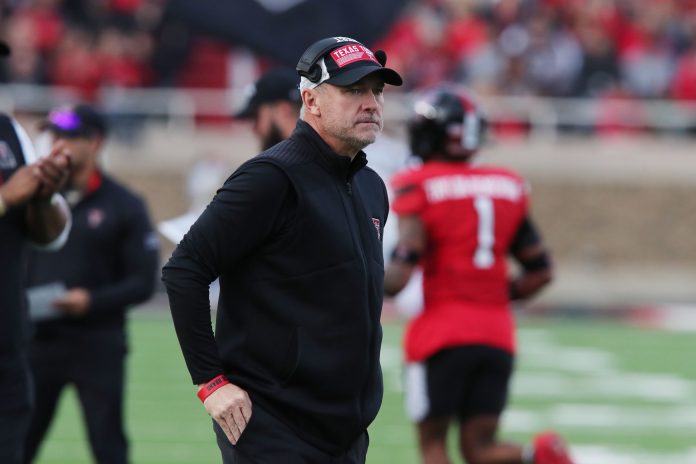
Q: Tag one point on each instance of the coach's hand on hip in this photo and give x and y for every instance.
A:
(230, 406)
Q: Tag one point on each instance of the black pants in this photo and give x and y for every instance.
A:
(95, 366)
(462, 381)
(266, 440)
(15, 406)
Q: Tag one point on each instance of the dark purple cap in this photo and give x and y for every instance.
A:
(75, 121)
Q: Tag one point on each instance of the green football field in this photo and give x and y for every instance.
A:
(620, 395)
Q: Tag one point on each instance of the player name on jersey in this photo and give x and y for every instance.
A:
(466, 186)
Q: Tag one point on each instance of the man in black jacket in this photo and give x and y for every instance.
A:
(108, 264)
(273, 106)
(295, 237)
(30, 211)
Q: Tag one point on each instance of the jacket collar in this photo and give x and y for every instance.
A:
(329, 159)
(74, 196)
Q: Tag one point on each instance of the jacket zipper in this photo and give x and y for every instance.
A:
(358, 240)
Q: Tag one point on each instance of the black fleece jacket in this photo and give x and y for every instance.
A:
(112, 251)
(14, 322)
(295, 235)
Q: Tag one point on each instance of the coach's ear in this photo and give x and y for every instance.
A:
(311, 99)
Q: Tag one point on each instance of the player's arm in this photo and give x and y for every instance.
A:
(48, 222)
(46, 217)
(536, 269)
(406, 255)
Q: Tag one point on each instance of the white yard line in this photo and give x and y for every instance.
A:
(580, 381)
(605, 455)
(626, 420)
(607, 386)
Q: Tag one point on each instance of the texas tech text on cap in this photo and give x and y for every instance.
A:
(343, 61)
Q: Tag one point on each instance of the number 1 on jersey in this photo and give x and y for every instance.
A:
(483, 256)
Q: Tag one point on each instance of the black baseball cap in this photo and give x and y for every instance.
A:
(278, 84)
(75, 121)
(4, 48)
(343, 61)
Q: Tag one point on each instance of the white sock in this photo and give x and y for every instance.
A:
(528, 454)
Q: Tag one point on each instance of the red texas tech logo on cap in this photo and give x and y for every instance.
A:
(348, 54)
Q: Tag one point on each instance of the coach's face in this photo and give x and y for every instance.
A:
(83, 152)
(352, 115)
(266, 123)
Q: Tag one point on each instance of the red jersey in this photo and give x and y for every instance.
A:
(471, 214)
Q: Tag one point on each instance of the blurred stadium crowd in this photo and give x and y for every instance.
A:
(81, 44)
(595, 48)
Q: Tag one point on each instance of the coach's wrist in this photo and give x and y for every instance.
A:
(208, 388)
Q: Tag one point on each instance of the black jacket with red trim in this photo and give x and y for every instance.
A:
(112, 251)
(295, 235)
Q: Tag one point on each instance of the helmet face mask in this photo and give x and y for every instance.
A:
(445, 123)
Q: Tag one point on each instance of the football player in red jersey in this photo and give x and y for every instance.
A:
(460, 221)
